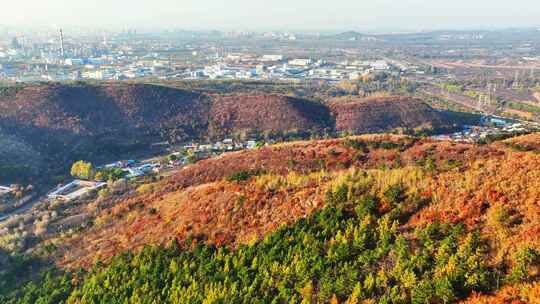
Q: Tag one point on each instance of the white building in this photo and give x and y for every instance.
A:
(196, 74)
(97, 74)
(251, 144)
(355, 75)
(75, 189)
(271, 58)
(74, 61)
(300, 62)
(133, 172)
(380, 65)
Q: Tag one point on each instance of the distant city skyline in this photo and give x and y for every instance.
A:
(383, 15)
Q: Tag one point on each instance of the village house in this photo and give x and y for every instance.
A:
(251, 144)
(140, 171)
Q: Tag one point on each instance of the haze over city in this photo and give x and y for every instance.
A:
(279, 14)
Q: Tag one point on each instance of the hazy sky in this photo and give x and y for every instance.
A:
(277, 14)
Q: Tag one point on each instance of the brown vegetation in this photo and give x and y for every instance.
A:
(525, 143)
(241, 197)
(68, 122)
(385, 113)
(266, 113)
(88, 110)
(64, 123)
(290, 182)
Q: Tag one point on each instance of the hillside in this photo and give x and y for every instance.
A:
(266, 113)
(87, 110)
(198, 200)
(525, 143)
(381, 114)
(386, 218)
(62, 123)
(18, 159)
(68, 122)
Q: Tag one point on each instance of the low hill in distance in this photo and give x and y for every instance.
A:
(375, 115)
(266, 113)
(69, 122)
(349, 35)
(88, 110)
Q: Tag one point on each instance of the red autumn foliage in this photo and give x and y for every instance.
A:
(197, 201)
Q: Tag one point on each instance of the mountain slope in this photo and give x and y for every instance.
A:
(378, 218)
(67, 122)
(346, 36)
(289, 182)
(266, 113)
(18, 159)
(382, 114)
(85, 110)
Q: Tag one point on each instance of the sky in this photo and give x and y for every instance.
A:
(313, 15)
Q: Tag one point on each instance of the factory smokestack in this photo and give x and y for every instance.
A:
(62, 44)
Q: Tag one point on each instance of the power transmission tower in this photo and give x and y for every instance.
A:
(479, 107)
(515, 85)
(492, 88)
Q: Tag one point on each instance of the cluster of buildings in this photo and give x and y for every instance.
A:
(278, 67)
(205, 150)
(351, 70)
(134, 169)
(491, 127)
(226, 145)
(120, 57)
(79, 188)
(114, 66)
(56, 58)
